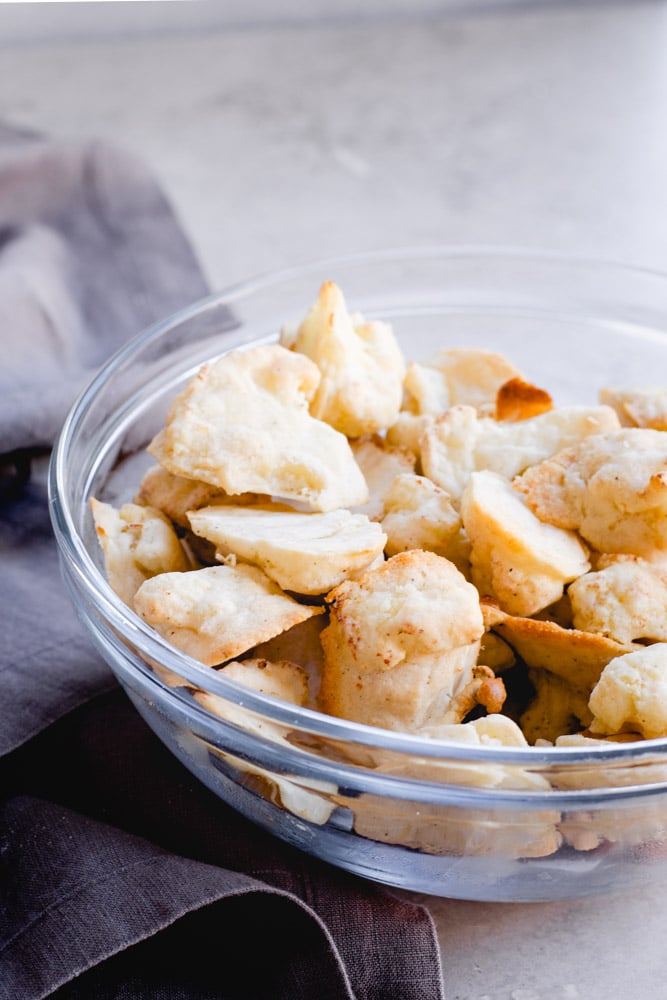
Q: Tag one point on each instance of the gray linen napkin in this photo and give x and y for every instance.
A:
(90, 254)
(121, 877)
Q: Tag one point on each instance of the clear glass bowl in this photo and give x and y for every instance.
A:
(401, 810)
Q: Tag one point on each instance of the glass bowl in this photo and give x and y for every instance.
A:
(402, 810)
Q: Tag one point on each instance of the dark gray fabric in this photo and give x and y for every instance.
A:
(121, 877)
(103, 766)
(70, 910)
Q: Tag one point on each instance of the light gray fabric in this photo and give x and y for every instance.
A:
(90, 254)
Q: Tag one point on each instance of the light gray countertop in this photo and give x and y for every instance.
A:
(544, 127)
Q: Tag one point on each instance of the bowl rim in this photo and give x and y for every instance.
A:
(74, 552)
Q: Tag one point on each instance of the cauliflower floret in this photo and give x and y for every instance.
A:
(361, 364)
(625, 600)
(515, 558)
(300, 644)
(305, 553)
(564, 665)
(419, 515)
(426, 390)
(576, 657)
(632, 694)
(138, 543)
(496, 653)
(447, 830)
(281, 679)
(456, 376)
(380, 464)
(473, 376)
(284, 680)
(493, 730)
(586, 830)
(460, 442)
(455, 831)
(401, 644)
(557, 708)
(242, 424)
(643, 407)
(219, 612)
(407, 432)
(175, 495)
(611, 488)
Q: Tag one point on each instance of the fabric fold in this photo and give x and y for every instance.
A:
(102, 820)
(76, 893)
(90, 254)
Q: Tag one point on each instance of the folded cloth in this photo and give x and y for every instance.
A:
(121, 876)
(90, 253)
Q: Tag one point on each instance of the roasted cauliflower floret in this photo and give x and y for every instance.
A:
(176, 495)
(419, 515)
(426, 390)
(626, 600)
(557, 707)
(311, 799)
(641, 407)
(362, 366)
(632, 694)
(496, 653)
(453, 830)
(217, 613)
(305, 553)
(281, 679)
(493, 730)
(576, 657)
(401, 644)
(380, 464)
(137, 543)
(300, 644)
(611, 488)
(472, 376)
(460, 442)
(515, 558)
(456, 376)
(242, 424)
(407, 432)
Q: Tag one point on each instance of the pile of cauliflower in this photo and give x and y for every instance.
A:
(433, 548)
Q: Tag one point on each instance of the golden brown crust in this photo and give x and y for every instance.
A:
(577, 657)
(519, 400)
